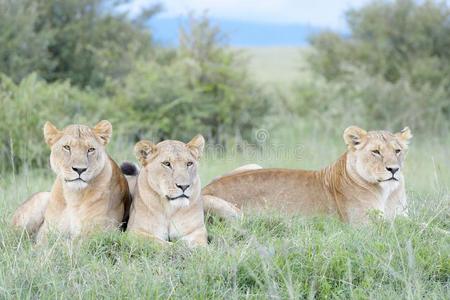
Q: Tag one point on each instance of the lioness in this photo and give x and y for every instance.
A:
(167, 204)
(367, 176)
(90, 191)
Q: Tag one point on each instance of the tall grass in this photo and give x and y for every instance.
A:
(260, 256)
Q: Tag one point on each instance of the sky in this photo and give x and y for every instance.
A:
(320, 13)
(252, 22)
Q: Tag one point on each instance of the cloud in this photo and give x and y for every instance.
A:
(323, 13)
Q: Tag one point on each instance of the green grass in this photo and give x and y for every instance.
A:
(260, 256)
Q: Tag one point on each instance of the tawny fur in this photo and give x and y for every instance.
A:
(76, 207)
(211, 205)
(349, 188)
(30, 215)
(156, 211)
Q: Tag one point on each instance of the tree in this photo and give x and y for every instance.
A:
(392, 69)
(393, 39)
(86, 41)
(201, 88)
(23, 49)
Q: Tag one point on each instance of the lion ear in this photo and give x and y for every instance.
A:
(143, 150)
(404, 136)
(51, 133)
(354, 137)
(197, 145)
(103, 130)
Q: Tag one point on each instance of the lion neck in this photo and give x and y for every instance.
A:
(146, 194)
(352, 178)
(95, 189)
(345, 185)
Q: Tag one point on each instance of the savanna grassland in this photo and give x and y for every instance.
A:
(260, 256)
(278, 107)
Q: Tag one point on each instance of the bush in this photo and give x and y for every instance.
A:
(177, 99)
(202, 88)
(22, 50)
(372, 102)
(399, 39)
(85, 41)
(26, 107)
(392, 69)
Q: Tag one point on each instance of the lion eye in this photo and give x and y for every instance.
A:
(66, 147)
(398, 151)
(189, 163)
(166, 163)
(90, 150)
(376, 152)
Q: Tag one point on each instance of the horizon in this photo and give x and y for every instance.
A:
(269, 23)
(239, 33)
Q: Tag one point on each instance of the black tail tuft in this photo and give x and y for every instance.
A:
(129, 169)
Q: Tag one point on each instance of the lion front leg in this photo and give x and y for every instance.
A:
(42, 234)
(220, 207)
(396, 203)
(30, 215)
(198, 237)
(148, 235)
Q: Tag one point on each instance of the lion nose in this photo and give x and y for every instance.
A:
(393, 170)
(183, 187)
(79, 170)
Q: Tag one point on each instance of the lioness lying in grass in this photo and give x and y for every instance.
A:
(367, 176)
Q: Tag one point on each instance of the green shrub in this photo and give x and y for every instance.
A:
(85, 41)
(398, 40)
(202, 88)
(26, 107)
(390, 71)
(22, 50)
(373, 102)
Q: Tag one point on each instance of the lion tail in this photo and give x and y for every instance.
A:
(129, 169)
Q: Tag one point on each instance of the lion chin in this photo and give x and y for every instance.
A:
(390, 185)
(76, 185)
(180, 203)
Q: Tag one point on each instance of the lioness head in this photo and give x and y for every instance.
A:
(78, 152)
(170, 168)
(377, 156)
